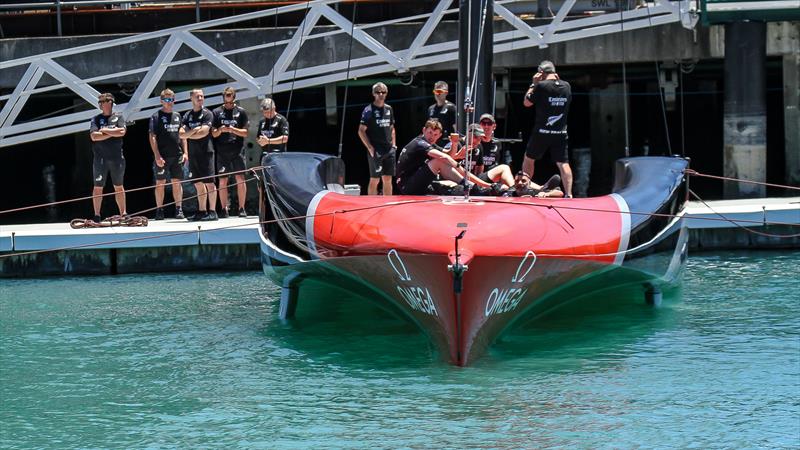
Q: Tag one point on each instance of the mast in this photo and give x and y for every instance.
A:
(475, 50)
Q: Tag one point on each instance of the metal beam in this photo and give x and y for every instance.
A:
(278, 76)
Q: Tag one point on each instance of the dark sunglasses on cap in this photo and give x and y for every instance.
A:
(487, 122)
(266, 109)
(168, 100)
(104, 101)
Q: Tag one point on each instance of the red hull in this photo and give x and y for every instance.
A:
(348, 226)
(524, 256)
(402, 253)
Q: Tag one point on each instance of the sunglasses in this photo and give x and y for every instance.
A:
(229, 95)
(380, 92)
(168, 100)
(266, 109)
(487, 122)
(439, 91)
(104, 101)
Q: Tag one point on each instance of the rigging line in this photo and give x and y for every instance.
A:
(473, 85)
(272, 77)
(624, 79)
(683, 119)
(200, 230)
(61, 202)
(347, 77)
(749, 230)
(663, 109)
(632, 213)
(760, 183)
(641, 246)
(661, 90)
(296, 59)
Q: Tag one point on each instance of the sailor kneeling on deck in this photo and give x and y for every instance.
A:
(421, 160)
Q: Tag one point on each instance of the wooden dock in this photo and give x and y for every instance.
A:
(233, 244)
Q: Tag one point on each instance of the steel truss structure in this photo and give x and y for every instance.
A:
(285, 73)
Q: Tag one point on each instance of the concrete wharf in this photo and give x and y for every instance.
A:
(233, 244)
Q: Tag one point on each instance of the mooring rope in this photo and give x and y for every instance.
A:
(750, 230)
(738, 180)
(89, 197)
(227, 227)
(402, 203)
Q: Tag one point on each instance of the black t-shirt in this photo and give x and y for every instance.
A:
(110, 147)
(551, 100)
(475, 159)
(491, 155)
(446, 115)
(235, 117)
(379, 122)
(272, 128)
(413, 156)
(193, 119)
(165, 127)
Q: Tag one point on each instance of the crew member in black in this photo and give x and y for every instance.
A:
(422, 160)
(106, 131)
(551, 96)
(490, 167)
(229, 130)
(376, 131)
(168, 153)
(443, 111)
(273, 129)
(195, 133)
(475, 134)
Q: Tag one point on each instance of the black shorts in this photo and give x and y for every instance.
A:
(539, 144)
(417, 183)
(173, 169)
(102, 165)
(382, 164)
(201, 165)
(228, 162)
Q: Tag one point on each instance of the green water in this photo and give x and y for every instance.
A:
(201, 361)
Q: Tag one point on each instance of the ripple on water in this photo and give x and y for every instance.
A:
(200, 360)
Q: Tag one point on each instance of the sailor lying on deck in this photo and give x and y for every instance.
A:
(421, 160)
(524, 187)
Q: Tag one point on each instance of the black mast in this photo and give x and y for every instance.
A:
(475, 68)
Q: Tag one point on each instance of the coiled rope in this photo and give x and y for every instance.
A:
(113, 221)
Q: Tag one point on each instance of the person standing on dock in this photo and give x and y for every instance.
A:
(229, 130)
(195, 130)
(376, 131)
(273, 129)
(168, 156)
(443, 111)
(106, 131)
(551, 97)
